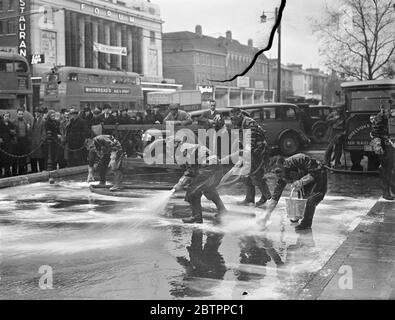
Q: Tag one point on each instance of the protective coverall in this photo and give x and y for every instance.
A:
(312, 174)
(259, 157)
(108, 152)
(336, 138)
(385, 151)
(201, 177)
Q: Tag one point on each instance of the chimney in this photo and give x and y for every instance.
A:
(198, 30)
(229, 35)
(250, 43)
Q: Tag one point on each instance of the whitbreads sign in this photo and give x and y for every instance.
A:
(121, 51)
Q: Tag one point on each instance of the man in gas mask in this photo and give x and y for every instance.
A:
(259, 158)
(384, 148)
(203, 173)
(107, 151)
(306, 175)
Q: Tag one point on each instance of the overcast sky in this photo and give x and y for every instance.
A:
(299, 45)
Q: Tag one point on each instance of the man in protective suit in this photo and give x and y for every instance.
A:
(306, 175)
(259, 158)
(384, 148)
(337, 122)
(108, 152)
(203, 173)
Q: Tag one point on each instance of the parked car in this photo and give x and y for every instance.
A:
(284, 128)
(314, 120)
(225, 112)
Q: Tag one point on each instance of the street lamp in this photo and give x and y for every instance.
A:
(264, 20)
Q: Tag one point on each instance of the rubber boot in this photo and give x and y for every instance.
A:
(264, 189)
(265, 193)
(386, 183)
(196, 207)
(218, 203)
(302, 227)
(117, 181)
(387, 194)
(250, 196)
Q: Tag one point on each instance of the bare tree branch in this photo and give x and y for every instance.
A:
(365, 50)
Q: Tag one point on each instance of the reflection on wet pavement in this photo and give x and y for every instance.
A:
(118, 248)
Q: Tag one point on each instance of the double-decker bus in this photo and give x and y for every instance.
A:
(362, 100)
(65, 87)
(15, 83)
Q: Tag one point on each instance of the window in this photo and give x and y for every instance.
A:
(83, 78)
(1, 5)
(152, 36)
(11, 26)
(73, 77)
(290, 114)
(270, 113)
(256, 115)
(1, 27)
(6, 65)
(10, 8)
(93, 78)
(20, 66)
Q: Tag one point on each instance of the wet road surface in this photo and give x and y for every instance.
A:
(101, 247)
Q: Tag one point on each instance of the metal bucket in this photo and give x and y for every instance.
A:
(295, 207)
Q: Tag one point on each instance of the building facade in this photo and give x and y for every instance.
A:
(308, 83)
(117, 35)
(196, 61)
(287, 74)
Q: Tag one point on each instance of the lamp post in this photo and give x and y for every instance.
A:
(263, 20)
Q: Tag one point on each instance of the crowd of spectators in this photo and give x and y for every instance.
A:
(54, 140)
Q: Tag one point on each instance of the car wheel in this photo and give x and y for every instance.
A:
(320, 132)
(289, 144)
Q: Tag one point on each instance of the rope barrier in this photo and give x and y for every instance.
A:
(20, 156)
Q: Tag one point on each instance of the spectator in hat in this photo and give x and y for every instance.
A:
(139, 118)
(75, 138)
(38, 142)
(137, 143)
(63, 123)
(86, 114)
(55, 151)
(158, 116)
(212, 118)
(125, 136)
(178, 117)
(7, 143)
(152, 116)
(123, 117)
(45, 112)
(97, 116)
(108, 118)
(22, 148)
(149, 115)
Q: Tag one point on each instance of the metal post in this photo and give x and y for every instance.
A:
(49, 140)
(278, 61)
(268, 75)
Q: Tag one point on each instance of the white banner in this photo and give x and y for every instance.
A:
(121, 51)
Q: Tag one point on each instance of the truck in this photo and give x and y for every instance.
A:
(363, 100)
(189, 100)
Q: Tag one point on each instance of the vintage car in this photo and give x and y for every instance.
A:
(281, 121)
